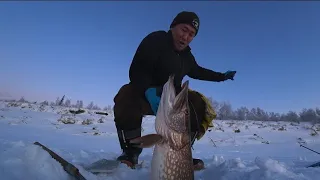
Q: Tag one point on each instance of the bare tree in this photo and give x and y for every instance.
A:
(22, 99)
(291, 116)
(215, 104)
(67, 103)
(252, 114)
(308, 115)
(241, 113)
(274, 116)
(46, 103)
(90, 105)
(57, 103)
(79, 104)
(96, 107)
(261, 115)
(225, 111)
(318, 115)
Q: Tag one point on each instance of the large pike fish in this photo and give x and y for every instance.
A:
(172, 155)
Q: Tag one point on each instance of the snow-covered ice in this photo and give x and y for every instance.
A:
(260, 151)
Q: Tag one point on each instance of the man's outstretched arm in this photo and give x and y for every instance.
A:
(201, 73)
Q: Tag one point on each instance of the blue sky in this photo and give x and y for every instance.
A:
(84, 49)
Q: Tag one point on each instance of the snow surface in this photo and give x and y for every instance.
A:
(259, 151)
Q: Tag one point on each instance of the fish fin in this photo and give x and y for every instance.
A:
(146, 141)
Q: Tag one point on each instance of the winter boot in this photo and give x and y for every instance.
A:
(198, 164)
(129, 154)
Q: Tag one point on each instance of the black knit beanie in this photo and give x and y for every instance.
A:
(187, 17)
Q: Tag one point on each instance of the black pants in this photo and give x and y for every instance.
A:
(130, 108)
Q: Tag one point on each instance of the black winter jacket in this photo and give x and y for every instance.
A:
(156, 59)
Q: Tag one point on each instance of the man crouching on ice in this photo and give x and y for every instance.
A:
(159, 55)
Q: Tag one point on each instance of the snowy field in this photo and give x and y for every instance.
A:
(260, 151)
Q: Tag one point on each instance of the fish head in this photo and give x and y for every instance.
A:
(174, 107)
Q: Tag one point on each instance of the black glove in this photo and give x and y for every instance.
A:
(229, 75)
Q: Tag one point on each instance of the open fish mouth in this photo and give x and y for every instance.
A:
(182, 98)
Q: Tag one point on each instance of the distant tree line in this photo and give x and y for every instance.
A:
(224, 111)
(67, 103)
